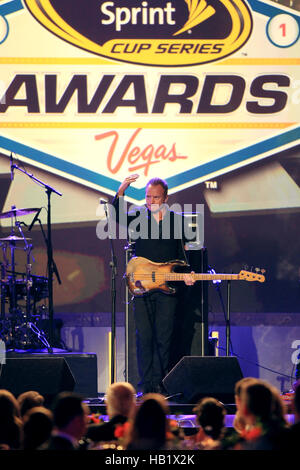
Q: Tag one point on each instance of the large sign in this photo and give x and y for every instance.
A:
(185, 90)
(161, 33)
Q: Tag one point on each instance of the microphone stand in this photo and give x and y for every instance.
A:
(129, 253)
(55, 270)
(49, 191)
(113, 265)
(228, 339)
(226, 311)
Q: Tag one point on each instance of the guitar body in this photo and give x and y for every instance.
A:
(143, 276)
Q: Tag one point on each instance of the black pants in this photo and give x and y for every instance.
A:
(154, 319)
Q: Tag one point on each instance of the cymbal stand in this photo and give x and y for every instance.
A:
(49, 190)
(28, 283)
(12, 281)
(29, 323)
(28, 249)
(2, 291)
(3, 322)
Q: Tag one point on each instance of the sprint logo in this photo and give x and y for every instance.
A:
(145, 15)
(155, 33)
(198, 12)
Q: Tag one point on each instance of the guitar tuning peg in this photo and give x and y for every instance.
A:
(263, 271)
(257, 270)
(246, 267)
(252, 268)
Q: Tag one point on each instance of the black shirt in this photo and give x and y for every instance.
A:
(157, 241)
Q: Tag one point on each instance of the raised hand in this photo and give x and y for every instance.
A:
(127, 182)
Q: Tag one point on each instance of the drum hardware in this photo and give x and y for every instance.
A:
(51, 266)
(28, 249)
(2, 287)
(19, 329)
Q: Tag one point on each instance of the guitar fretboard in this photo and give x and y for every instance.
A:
(180, 276)
(202, 277)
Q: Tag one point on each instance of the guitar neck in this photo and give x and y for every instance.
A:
(202, 277)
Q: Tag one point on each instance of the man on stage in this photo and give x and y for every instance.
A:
(154, 313)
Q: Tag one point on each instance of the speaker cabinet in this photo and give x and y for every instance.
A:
(195, 377)
(190, 335)
(48, 376)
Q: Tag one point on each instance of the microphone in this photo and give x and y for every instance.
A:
(11, 167)
(104, 201)
(34, 219)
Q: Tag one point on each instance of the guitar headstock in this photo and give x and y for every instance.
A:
(251, 276)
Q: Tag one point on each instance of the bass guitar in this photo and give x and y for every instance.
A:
(144, 276)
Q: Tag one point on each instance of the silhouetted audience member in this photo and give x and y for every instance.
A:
(210, 415)
(37, 427)
(239, 386)
(239, 422)
(70, 416)
(266, 428)
(10, 421)
(279, 408)
(293, 438)
(28, 400)
(120, 405)
(150, 425)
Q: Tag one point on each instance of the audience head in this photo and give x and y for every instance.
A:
(257, 402)
(120, 399)
(296, 401)
(239, 423)
(239, 386)
(10, 421)
(210, 416)
(70, 414)
(28, 400)
(38, 424)
(150, 424)
(279, 407)
(9, 407)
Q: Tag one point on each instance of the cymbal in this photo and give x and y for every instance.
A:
(14, 238)
(17, 212)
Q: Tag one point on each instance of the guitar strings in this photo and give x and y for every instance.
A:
(181, 276)
(173, 277)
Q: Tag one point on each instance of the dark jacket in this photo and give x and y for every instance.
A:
(105, 431)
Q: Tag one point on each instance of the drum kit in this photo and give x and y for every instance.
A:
(20, 292)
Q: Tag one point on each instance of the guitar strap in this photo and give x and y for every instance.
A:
(181, 241)
(184, 253)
